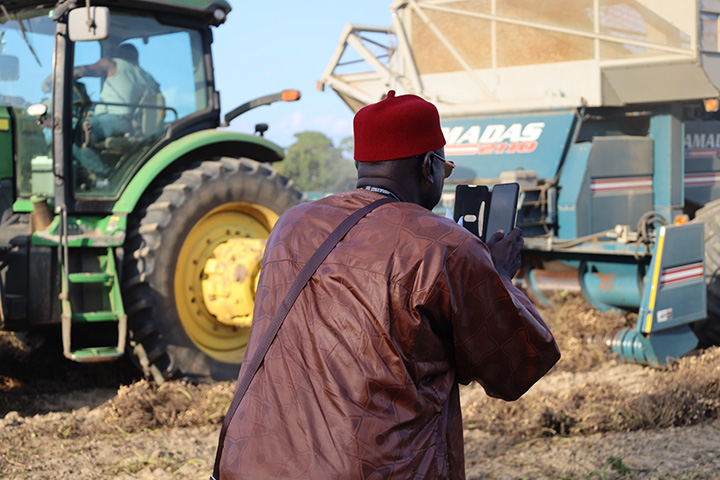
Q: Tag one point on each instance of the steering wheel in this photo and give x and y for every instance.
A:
(81, 104)
(80, 95)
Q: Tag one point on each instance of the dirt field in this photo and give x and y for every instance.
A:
(592, 417)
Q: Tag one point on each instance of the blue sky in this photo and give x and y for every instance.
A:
(266, 47)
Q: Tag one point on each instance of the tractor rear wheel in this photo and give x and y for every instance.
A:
(708, 331)
(191, 265)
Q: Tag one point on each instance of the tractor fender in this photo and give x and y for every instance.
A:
(204, 142)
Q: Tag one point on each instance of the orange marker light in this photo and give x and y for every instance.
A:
(711, 105)
(681, 219)
(290, 95)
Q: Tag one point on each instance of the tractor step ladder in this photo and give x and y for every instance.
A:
(112, 310)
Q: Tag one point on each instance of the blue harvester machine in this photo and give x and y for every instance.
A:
(605, 112)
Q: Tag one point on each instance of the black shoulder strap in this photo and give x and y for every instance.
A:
(303, 277)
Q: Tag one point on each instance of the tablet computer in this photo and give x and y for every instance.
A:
(483, 211)
(502, 213)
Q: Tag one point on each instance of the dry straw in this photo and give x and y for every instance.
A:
(590, 391)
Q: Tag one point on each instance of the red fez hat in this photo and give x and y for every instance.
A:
(396, 127)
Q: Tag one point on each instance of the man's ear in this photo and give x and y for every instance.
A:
(428, 169)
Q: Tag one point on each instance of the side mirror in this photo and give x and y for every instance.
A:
(9, 68)
(88, 23)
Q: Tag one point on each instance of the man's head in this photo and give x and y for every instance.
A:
(396, 127)
(399, 143)
(128, 52)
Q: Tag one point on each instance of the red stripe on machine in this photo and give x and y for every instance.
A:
(461, 149)
(620, 184)
(683, 273)
(702, 153)
(492, 148)
(702, 179)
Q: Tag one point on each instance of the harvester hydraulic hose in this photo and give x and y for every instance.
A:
(643, 228)
(587, 238)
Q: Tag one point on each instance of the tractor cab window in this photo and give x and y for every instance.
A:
(127, 90)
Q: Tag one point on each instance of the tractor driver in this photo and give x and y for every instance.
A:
(124, 87)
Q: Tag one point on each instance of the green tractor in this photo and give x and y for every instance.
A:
(130, 222)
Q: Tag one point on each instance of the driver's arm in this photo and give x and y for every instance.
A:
(102, 68)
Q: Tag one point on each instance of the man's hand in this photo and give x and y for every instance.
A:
(505, 251)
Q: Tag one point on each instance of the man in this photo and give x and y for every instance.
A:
(124, 82)
(124, 86)
(362, 378)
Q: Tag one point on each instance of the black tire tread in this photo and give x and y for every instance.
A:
(146, 227)
(708, 331)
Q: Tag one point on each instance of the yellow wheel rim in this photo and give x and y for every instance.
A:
(216, 275)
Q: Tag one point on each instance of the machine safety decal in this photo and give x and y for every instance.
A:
(665, 315)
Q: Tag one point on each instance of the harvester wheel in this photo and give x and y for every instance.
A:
(708, 331)
(191, 265)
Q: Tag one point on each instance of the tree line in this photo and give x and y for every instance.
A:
(315, 164)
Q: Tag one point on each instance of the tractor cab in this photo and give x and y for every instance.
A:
(127, 92)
